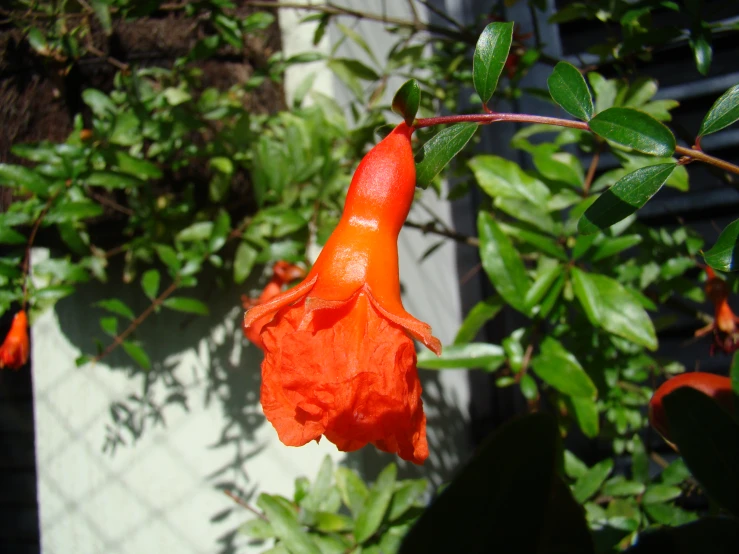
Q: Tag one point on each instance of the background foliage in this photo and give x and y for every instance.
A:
(191, 178)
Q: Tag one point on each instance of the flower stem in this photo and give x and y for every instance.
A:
(485, 119)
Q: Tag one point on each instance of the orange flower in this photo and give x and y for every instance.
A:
(339, 360)
(715, 386)
(14, 350)
(724, 325)
(283, 273)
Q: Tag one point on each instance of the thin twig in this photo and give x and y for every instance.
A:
(243, 504)
(442, 15)
(29, 245)
(111, 203)
(485, 119)
(591, 172)
(431, 227)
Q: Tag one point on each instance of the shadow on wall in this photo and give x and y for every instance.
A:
(204, 363)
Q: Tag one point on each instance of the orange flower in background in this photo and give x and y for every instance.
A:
(715, 386)
(283, 273)
(15, 348)
(339, 359)
(725, 324)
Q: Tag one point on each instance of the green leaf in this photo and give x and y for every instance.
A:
(440, 150)
(625, 197)
(479, 315)
(109, 325)
(560, 369)
(318, 493)
(612, 246)
(512, 473)
(19, 176)
(591, 482)
(100, 103)
(378, 501)
(542, 284)
(610, 306)
(569, 89)
(285, 525)
(137, 354)
(502, 263)
(407, 100)
(722, 255)
(187, 305)
(499, 177)
(11, 236)
(353, 491)
(257, 529)
(634, 129)
(734, 374)
(639, 461)
(717, 535)
(700, 44)
(620, 486)
(126, 129)
(73, 211)
(669, 514)
(221, 228)
(406, 495)
(102, 12)
(723, 113)
(244, 259)
(490, 56)
(112, 180)
(587, 415)
(116, 306)
(150, 283)
(708, 440)
(169, 257)
(200, 230)
(138, 168)
(471, 355)
(657, 493)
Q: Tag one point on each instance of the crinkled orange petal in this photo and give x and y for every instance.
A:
(346, 372)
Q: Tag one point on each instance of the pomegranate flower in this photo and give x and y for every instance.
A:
(14, 350)
(725, 324)
(715, 386)
(338, 356)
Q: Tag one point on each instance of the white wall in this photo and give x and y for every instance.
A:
(159, 492)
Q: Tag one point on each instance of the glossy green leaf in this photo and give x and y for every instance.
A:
(102, 12)
(407, 494)
(610, 306)
(257, 529)
(200, 230)
(634, 129)
(611, 246)
(221, 229)
(717, 535)
(591, 482)
(470, 355)
(657, 493)
(116, 306)
(100, 103)
(187, 305)
(734, 375)
(560, 369)
(407, 100)
(620, 486)
(502, 263)
(285, 525)
(112, 180)
(542, 284)
(708, 440)
(499, 177)
(22, 177)
(700, 44)
(109, 325)
(723, 113)
(440, 150)
(512, 473)
(169, 257)
(244, 259)
(569, 89)
(142, 169)
(137, 354)
(150, 283)
(11, 236)
(625, 197)
(639, 461)
(490, 56)
(376, 505)
(723, 254)
(479, 315)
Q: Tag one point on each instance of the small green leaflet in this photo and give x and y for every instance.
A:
(407, 100)
(569, 89)
(629, 194)
(490, 57)
(440, 150)
(723, 113)
(471, 355)
(722, 255)
(634, 129)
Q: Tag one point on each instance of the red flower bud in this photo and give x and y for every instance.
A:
(715, 386)
(339, 360)
(15, 348)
